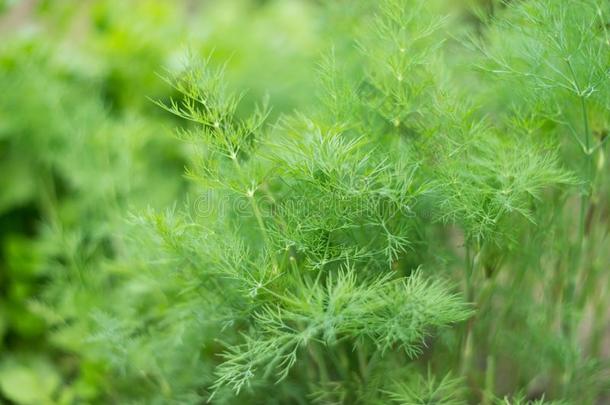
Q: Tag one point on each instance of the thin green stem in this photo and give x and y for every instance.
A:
(490, 371)
(320, 363)
(578, 268)
(585, 200)
(259, 217)
(467, 348)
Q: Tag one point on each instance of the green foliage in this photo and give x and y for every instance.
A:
(341, 309)
(394, 201)
(428, 390)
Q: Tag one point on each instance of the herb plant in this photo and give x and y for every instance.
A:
(430, 227)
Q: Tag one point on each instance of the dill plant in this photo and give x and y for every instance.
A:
(432, 229)
(332, 242)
